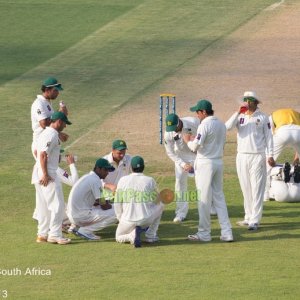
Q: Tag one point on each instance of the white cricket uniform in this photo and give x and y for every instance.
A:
(121, 169)
(286, 132)
(50, 200)
(178, 151)
(254, 142)
(80, 208)
(135, 205)
(63, 176)
(41, 109)
(209, 144)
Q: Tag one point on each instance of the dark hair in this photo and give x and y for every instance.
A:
(210, 112)
(138, 170)
(44, 88)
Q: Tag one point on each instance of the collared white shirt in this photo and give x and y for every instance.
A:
(176, 149)
(254, 133)
(83, 195)
(136, 197)
(41, 109)
(210, 139)
(121, 169)
(49, 142)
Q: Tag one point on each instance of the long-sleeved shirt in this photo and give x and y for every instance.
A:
(254, 133)
(176, 149)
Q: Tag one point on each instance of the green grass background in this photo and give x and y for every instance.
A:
(109, 53)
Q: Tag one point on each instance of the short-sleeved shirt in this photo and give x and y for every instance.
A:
(49, 142)
(122, 169)
(83, 195)
(41, 109)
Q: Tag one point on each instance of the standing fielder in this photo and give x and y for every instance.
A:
(209, 144)
(50, 201)
(178, 151)
(254, 142)
(41, 110)
(285, 124)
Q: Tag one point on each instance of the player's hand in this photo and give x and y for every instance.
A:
(188, 167)
(70, 159)
(271, 162)
(45, 180)
(63, 136)
(187, 137)
(64, 110)
(106, 205)
(243, 108)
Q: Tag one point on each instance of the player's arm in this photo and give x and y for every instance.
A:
(169, 147)
(43, 162)
(44, 123)
(269, 142)
(232, 121)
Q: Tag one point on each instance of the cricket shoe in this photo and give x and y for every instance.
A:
(242, 223)
(296, 173)
(178, 219)
(87, 235)
(227, 238)
(59, 240)
(41, 239)
(253, 227)
(196, 238)
(152, 240)
(286, 172)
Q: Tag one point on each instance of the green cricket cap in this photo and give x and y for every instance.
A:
(52, 82)
(172, 121)
(137, 162)
(103, 163)
(58, 115)
(119, 145)
(202, 105)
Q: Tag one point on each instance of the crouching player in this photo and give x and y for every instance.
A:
(136, 206)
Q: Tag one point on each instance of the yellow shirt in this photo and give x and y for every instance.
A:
(285, 116)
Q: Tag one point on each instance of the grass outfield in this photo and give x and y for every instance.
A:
(109, 53)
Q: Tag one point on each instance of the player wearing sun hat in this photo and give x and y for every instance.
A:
(182, 157)
(254, 147)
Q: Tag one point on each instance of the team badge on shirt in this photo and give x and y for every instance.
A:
(38, 111)
(49, 108)
(198, 136)
(66, 174)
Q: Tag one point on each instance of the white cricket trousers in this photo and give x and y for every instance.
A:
(209, 183)
(287, 135)
(126, 229)
(50, 208)
(95, 219)
(181, 184)
(251, 170)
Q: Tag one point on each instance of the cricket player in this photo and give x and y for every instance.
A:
(68, 178)
(254, 143)
(50, 201)
(85, 209)
(285, 124)
(42, 109)
(209, 144)
(178, 151)
(136, 206)
(121, 162)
